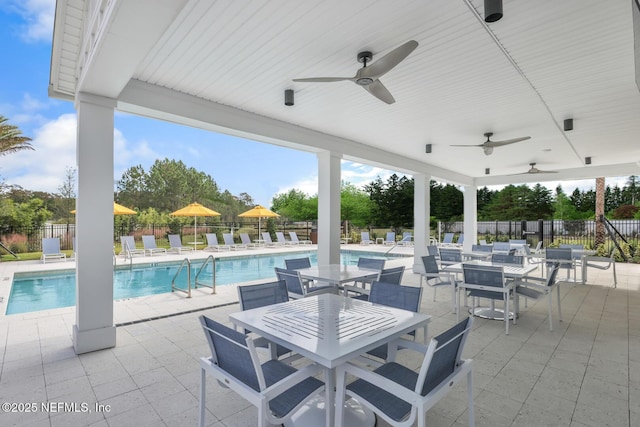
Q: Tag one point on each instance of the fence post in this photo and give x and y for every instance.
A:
(496, 236)
(552, 231)
(541, 231)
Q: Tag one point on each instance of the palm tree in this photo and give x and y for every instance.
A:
(11, 138)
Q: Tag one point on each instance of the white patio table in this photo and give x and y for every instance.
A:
(337, 275)
(510, 272)
(330, 330)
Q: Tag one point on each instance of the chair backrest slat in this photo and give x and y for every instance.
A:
(397, 296)
(149, 242)
(230, 352)
(430, 264)
(488, 276)
(297, 263)
(450, 256)
(446, 355)
(392, 275)
(292, 280)
(371, 263)
(262, 294)
(447, 238)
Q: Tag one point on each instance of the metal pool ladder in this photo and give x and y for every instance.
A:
(173, 281)
(212, 260)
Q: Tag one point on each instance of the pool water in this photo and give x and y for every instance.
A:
(48, 290)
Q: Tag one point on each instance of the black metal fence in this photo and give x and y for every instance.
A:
(549, 231)
(29, 239)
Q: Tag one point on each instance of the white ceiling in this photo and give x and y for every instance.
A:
(545, 61)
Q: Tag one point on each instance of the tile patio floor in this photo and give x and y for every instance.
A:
(584, 373)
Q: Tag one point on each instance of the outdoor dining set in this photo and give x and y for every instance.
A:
(318, 345)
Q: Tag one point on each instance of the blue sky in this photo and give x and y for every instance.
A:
(236, 164)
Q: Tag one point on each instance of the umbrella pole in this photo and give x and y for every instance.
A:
(195, 230)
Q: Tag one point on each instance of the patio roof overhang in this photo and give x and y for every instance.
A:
(224, 66)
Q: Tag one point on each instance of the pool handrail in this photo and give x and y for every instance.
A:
(201, 269)
(173, 281)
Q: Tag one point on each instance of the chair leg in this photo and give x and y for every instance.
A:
(203, 392)
(615, 277)
(472, 421)
(559, 305)
(549, 297)
(506, 314)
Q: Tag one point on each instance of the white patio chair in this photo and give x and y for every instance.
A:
(401, 396)
(51, 250)
(296, 289)
(364, 238)
(538, 287)
(277, 389)
(175, 243)
(129, 249)
(150, 247)
(228, 240)
(436, 278)
(213, 245)
(294, 238)
(244, 238)
(390, 238)
(266, 236)
(281, 239)
(601, 263)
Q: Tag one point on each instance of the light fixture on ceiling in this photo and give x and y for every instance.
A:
(487, 171)
(427, 148)
(288, 97)
(587, 160)
(568, 125)
(492, 10)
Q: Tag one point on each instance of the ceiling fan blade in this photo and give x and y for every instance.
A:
(390, 60)
(505, 142)
(378, 90)
(324, 79)
(463, 145)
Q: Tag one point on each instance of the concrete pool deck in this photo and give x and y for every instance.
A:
(584, 373)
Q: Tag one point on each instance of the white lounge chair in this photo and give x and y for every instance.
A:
(51, 250)
(150, 247)
(390, 239)
(129, 249)
(213, 245)
(364, 238)
(283, 240)
(407, 239)
(268, 242)
(246, 240)
(228, 240)
(176, 244)
(294, 238)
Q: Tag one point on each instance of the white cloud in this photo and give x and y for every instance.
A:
(38, 16)
(127, 155)
(309, 186)
(44, 168)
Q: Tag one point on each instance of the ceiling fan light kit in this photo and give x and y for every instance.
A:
(288, 97)
(492, 10)
(568, 125)
(368, 76)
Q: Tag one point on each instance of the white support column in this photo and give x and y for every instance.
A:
(470, 216)
(328, 208)
(94, 328)
(421, 215)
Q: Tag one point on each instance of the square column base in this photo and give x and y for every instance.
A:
(94, 339)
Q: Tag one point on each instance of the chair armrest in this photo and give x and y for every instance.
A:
(289, 381)
(402, 343)
(386, 384)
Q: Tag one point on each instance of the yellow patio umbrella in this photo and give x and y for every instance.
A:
(118, 210)
(195, 210)
(259, 212)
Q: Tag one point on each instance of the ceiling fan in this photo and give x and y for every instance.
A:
(368, 76)
(489, 145)
(534, 170)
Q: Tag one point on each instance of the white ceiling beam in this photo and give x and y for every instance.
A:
(165, 104)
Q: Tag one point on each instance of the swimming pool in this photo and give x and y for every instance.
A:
(48, 290)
